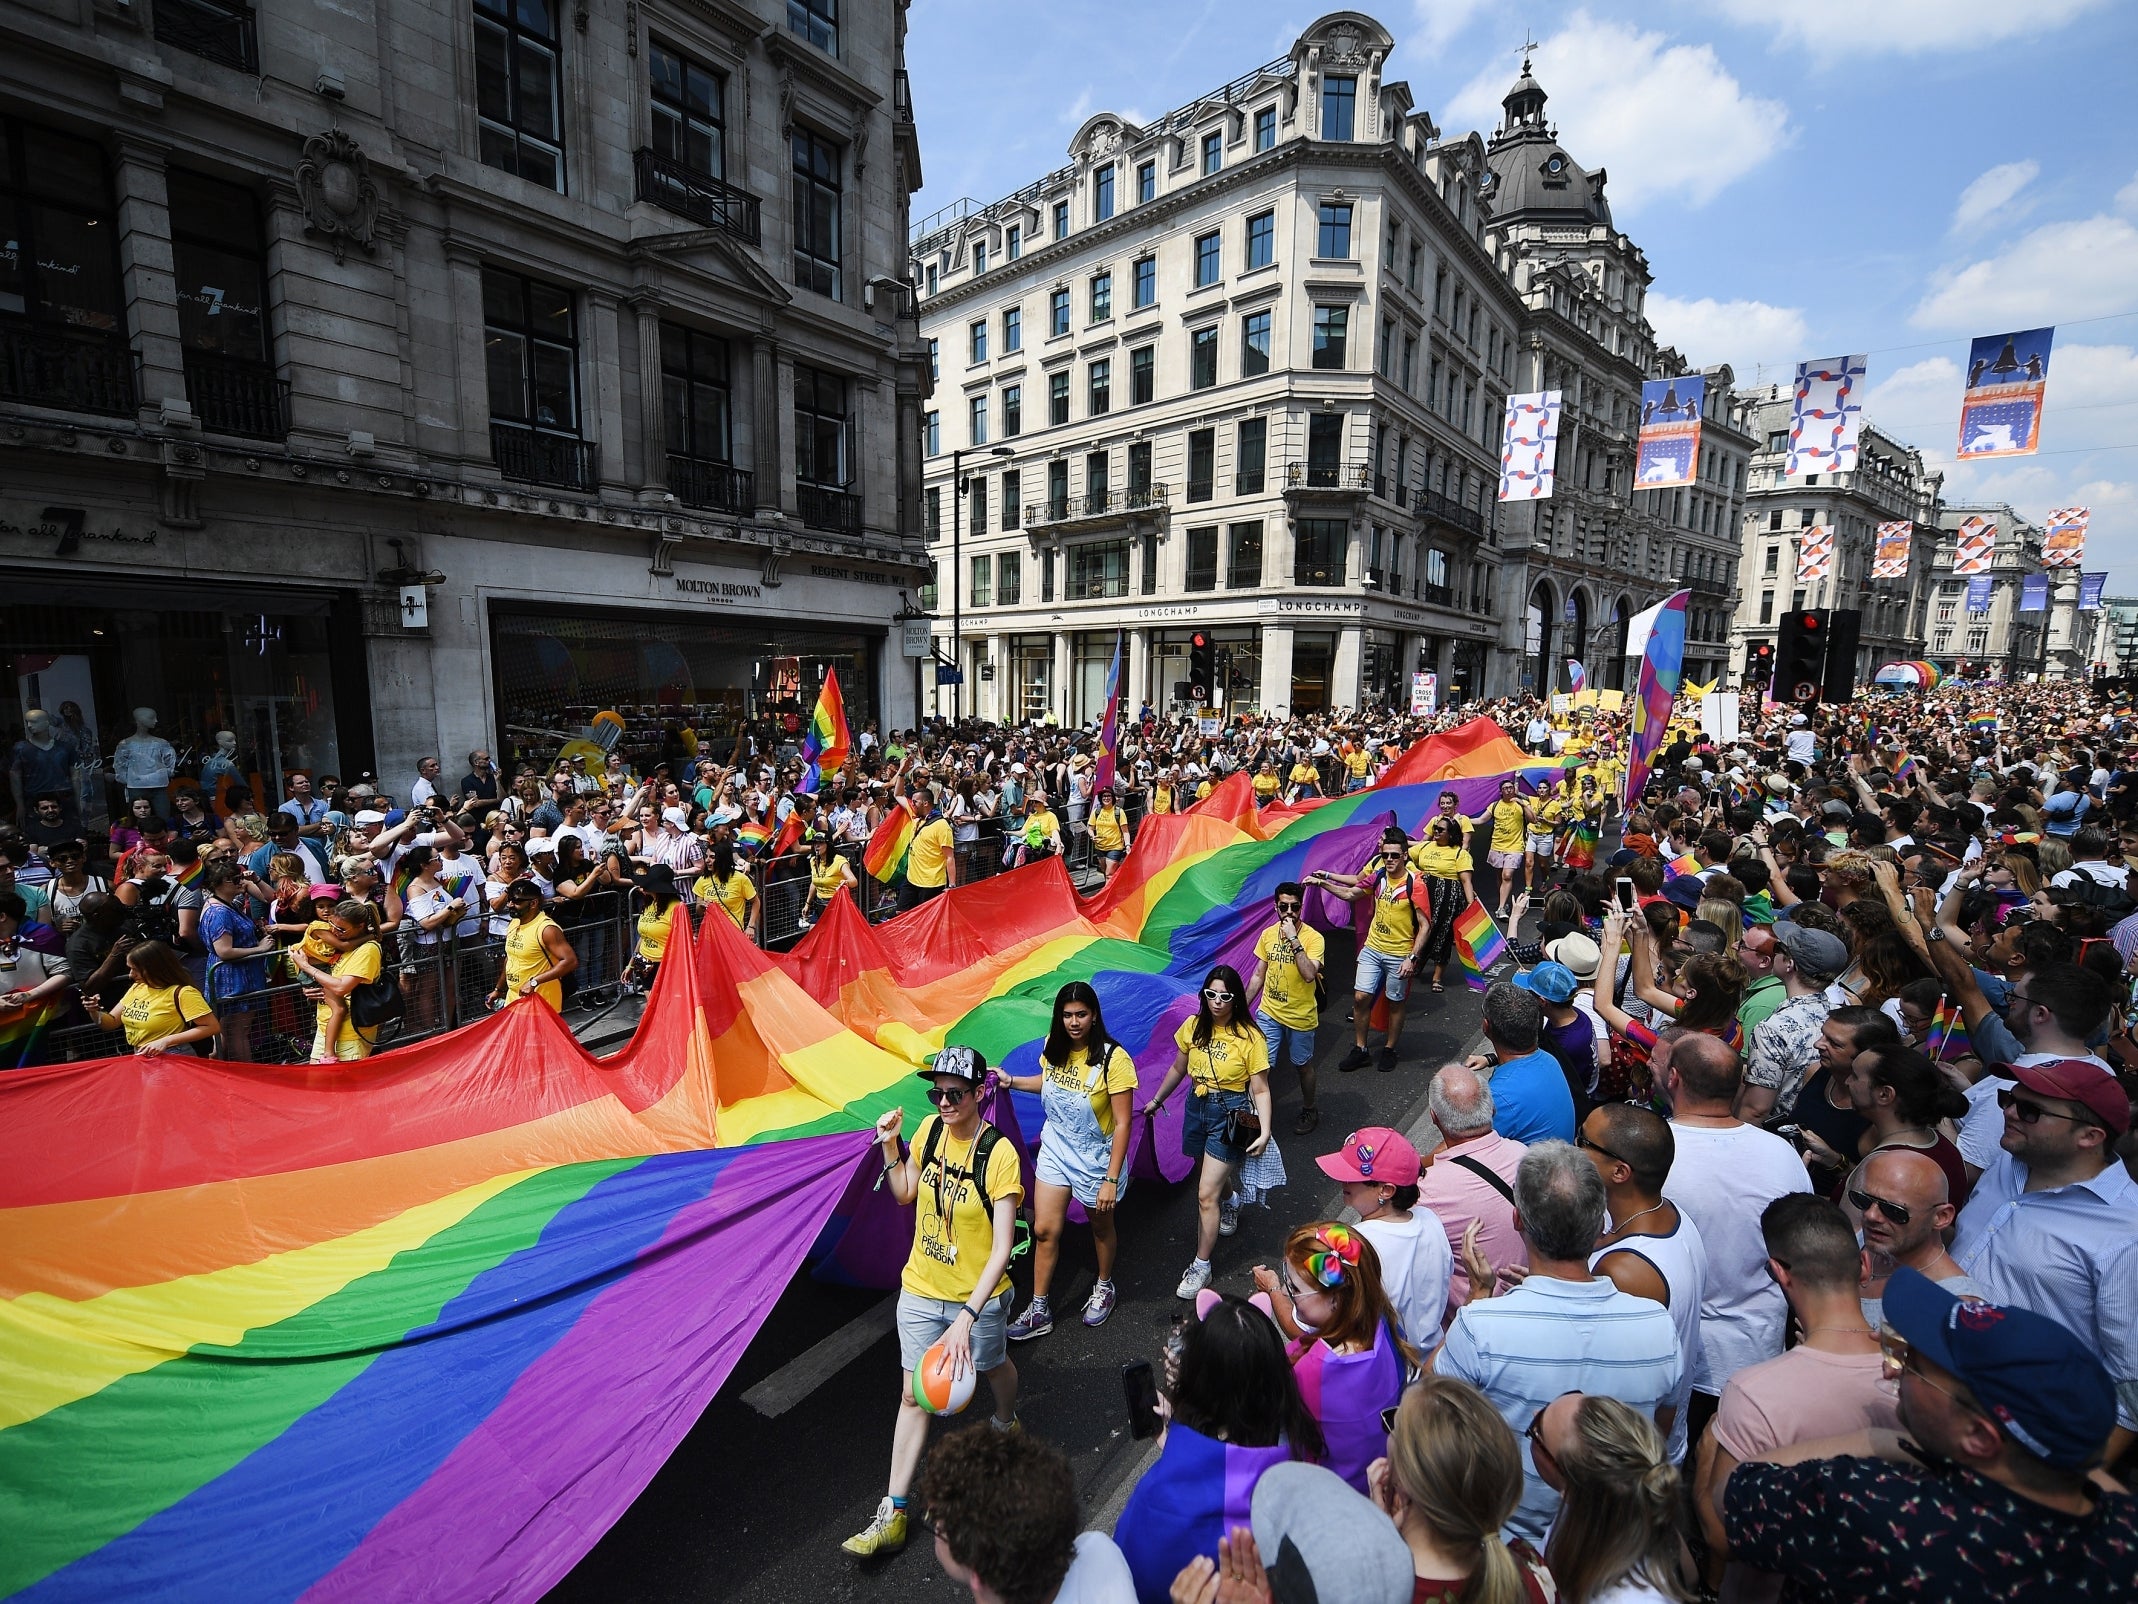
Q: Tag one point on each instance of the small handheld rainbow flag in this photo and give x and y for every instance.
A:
(885, 855)
(1982, 724)
(191, 872)
(1904, 771)
(790, 835)
(1948, 1033)
(1478, 944)
(825, 742)
(1684, 863)
(750, 836)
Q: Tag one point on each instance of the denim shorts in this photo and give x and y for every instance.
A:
(1273, 1033)
(922, 1320)
(1202, 1127)
(1381, 973)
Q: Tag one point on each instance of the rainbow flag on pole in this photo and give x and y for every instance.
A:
(1662, 628)
(825, 742)
(1478, 944)
(885, 855)
(1982, 724)
(1948, 1033)
(1110, 725)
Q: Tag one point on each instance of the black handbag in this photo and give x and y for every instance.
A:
(1243, 1127)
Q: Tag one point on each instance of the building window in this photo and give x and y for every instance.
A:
(1146, 183)
(816, 213)
(978, 333)
(935, 360)
(1385, 365)
(1206, 259)
(1774, 519)
(1012, 411)
(1202, 464)
(696, 401)
(1318, 552)
(1012, 330)
(979, 258)
(1142, 375)
(1145, 277)
(1250, 446)
(1339, 100)
(934, 279)
(1061, 219)
(1058, 398)
(688, 127)
(1331, 324)
(1796, 600)
(1045, 559)
(1012, 487)
(1261, 240)
(976, 420)
(517, 73)
(1325, 449)
(531, 352)
(1410, 361)
(1098, 572)
(1202, 559)
(1334, 240)
(1254, 344)
(1266, 128)
(1058, 314)
(817, 21)
(983, 567)
(820, 427)
(1009, 567)
(1202, 359)
(1139, 472)
(1213, 153)
(1774, 558)
(1245, 569)
(1102, 297)
(1149, 585)
(1766, 607)
(1102, 387)
(1057, 489)
(978, 497)
(932, 511)
(1102, 194)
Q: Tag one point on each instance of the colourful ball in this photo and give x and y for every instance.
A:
(935, 1389)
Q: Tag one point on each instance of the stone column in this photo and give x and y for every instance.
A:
(470, 374)
(1138, 688)
(652, 476)
(604, 419)
(1276, 693)
(994, 691)
(1345, 671)
(1064, 666)
(148, 277)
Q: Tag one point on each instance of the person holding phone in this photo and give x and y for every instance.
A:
(1389, 956)
(1287, 970)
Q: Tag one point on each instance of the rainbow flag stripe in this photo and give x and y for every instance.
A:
(751, 835)
(1948, 1037)
(825, 742)
(1683, 863)
(425, 1327)
(885, 855)
(1982, 724)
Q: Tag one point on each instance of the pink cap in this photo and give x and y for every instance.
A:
(1374, 1155)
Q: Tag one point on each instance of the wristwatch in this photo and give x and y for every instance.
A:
(1934, 933)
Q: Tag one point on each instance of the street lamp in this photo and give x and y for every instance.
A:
(957, 576)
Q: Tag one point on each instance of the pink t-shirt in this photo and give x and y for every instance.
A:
(1457, 1195)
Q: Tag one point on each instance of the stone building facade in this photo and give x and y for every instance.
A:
(442, 374)
(2007, 642)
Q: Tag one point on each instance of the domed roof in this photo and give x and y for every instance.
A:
(1532, 175)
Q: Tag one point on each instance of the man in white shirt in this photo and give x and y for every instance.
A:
(2089, 852)
(425, 791)
(1803, 741)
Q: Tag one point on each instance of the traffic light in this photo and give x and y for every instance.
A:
(1759, 664)
(1800, 656)
(1202, 669)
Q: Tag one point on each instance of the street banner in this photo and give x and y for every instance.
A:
(1890, 561)
(2000, 413)
(2090, 588)
(1110, 724)
(2063, 543)
(1529, 445)
(1662, 630)
(1973, 549)
(1978, 594)
(1669, 448)
(1826, 415)
(2034, 593)
(1815, 554)
(1424, 693)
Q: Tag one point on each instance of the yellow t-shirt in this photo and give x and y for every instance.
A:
(1552, 812)
(1358, 762)
(364, 961)
(825, 879)
(1109, 830)
(1510, 821)
(735, 895)
(1041, 827)
(1265, 785)
(318, 943)
(1202, 792)
(525, 958)
(949, 1254)
(1305, 774)
(653, 932)
(1395, 918)
(151, 1013)
(1287, 995)
(1161, 799)
(926, 860)
(1077, 1076)
(1233, 1055)
(1439, 862)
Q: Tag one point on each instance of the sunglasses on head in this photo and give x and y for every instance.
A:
(948, 1096)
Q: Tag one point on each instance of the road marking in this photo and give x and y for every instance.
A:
(799, 1377)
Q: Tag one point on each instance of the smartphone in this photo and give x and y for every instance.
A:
(1139, 1386)
(1625, 894)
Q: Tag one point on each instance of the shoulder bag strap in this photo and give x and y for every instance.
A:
(1489, 1177)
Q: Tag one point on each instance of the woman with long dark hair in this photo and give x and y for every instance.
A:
(238, 951)
(658, 895)
(729, 888)
(1447, 868)
(1087, 1083)
(1223, 1055)
(828, 871)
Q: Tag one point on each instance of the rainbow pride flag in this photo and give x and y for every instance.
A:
(1478, 945)
(1948, 1036)
(1683, 863)
(425, 1327)
(885, 855)
(825, 742)
(750, 835)
(1982, 724)
(1904, 771)
(1110, 724)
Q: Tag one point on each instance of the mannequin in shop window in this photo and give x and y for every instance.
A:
(144, 762)
(42, 765)
(220, 768)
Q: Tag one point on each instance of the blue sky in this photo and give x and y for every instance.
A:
(1807, 179)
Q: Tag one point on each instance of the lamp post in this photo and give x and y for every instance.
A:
(957, 576)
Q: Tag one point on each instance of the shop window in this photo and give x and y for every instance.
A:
(1318, 552)
(1251, 444)
(1202, 559)
(817, 201)
(62, 313)
(518, 83)
(1032, 673)
(531, 355)
(1313, 661)
(688, 125)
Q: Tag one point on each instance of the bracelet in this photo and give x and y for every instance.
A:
(1113, 1180)
(969, 1309)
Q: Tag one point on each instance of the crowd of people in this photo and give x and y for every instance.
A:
(1782, 1241)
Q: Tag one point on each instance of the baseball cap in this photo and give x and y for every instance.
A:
(1576, 953)
(1553, 982)
(1319, 1539)
(1816, 952)
(2040, 1383)
(1373, 1154)
(315, 892)
(369, 816)
(966, 1063)
(542, 846)
(1836, 810)
(2081, 1081)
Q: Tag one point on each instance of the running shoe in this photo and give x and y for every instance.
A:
(1192, 1280)
(1386, 1060)
(1036, 1321)
(885, 1534)
(1357, 1058)
(1228, 1216)
(1100, 1304)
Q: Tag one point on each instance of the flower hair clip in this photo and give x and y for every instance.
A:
(1336, 1254)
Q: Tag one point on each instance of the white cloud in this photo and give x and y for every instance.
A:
(2127, 198)
(1994, 192)
(2056, 273)
(1851, 28)
(1665, 119)
(1749, 335)
(1439, 21)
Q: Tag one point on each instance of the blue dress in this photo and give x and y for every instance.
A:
(225, 978)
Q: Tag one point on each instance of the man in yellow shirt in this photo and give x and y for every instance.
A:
(1287, 966)
(1402, 918)
(1358, 765)
(932, 860)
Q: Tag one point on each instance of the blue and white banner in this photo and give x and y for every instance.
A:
(2000, 411)
(1668, 452)
(2034, 593)
(1826, 415)
(2090, 588)
(1978, 594)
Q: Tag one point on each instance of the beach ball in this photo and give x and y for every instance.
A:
(933, 1387)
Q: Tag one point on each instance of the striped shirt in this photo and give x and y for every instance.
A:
(1547, 1337)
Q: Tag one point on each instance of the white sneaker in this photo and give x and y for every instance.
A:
(1193, 1280)
(1228, 1216)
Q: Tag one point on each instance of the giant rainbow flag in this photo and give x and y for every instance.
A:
(425, 1326)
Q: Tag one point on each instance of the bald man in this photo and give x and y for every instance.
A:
(1469, 1178)
(1903, 1206)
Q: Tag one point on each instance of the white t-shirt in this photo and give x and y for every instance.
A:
(1803, 745)
(1723, 1177)
(1098, 1575)
(1416, 1266)
(2107, 874)
(422, 794)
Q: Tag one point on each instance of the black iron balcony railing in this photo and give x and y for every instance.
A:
(230, 396)
(828, 507)
(700, 197)
(1438, 595)
(1095, 504)
(1314, 475)
(533, 456)
(70, 369)
(220, 33)
(1450, 511)
(720, 486)
(1247, 482)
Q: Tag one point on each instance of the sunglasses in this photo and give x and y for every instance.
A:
(1218, 995)
(1581, 1139)
(1896, 1212)
(2029, 1112)
(1287, 907)
(947, 1096)
(1894, 1355)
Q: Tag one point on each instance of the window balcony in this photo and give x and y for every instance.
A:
(234, 397)
(223, 33)
(1097, 506)
(702, 198)
(1453, 513)
(1439, 596)
(718, 486)
(1311, 475)
(69, 369)
(533, 456)
(828, 507)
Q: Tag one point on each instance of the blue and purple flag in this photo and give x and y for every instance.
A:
(1110, 725)
(1656, 690)
(1978, 593)
(2090, 588)
(2034, 593)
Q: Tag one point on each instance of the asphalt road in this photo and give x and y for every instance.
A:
(753, 1509)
